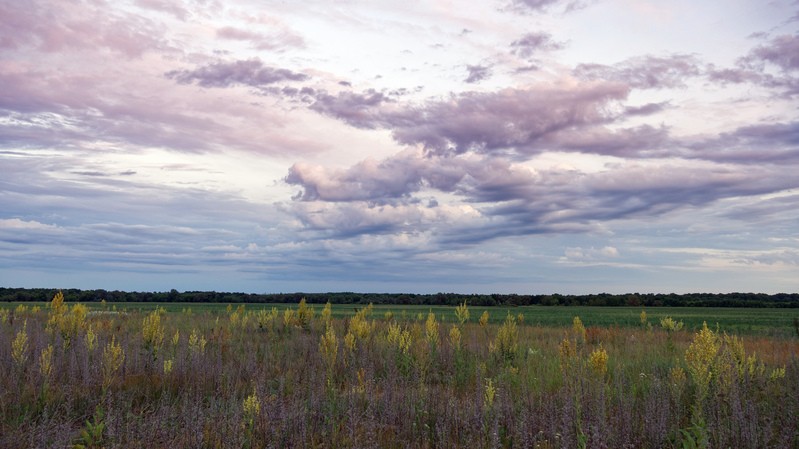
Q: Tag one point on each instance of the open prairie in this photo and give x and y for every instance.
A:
(210, 375)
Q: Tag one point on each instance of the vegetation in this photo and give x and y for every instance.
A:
(757, 300)
(312, 376)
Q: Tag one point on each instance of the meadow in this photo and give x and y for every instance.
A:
(240, 376)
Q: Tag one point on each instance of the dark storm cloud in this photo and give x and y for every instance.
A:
(251, 73)
(645, 72)
(532, 43)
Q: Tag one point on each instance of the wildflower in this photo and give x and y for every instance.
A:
(579, 329)
(699, 357)
(455, 337)
(431, 329)
(328, 346)
(113, 358)
(305, 314)
(462, 313)
(327, 313)
(489, 393)
(506, 343)
(251, 407)
(484, 318)
(19, 347)
(349, 341)
(642, 317)
(196, 342)
(176, 338)
(153, 333)
(46, 362)
(598, 361)
(4, 313)
(91, 339)
(288, 317)
(167, 366)
(670, 325)
(567, 352)
(777, 373)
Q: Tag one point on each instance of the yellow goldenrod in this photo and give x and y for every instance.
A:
(506, 343)
(484, 318)
(46, 362)
(699, 358)
(113, 358)
(251, 407)
(176, 338)
(462, 313)
(19, 347)
(167, 366)
(431, 329)
(327, 313)
(598, 361)
(455, 337)
(579, 329)
(196, 342)
(328, 346)
(91, 339)
(490, 391)
(288, 318)
(642, 317)
(4, 313)
(305, 314)
(349, 341)
(670, 325)
(567, 352)
(153, 333)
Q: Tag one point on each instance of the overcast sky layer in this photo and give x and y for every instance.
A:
(528, 146)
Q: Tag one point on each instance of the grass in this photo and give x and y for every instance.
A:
(231, 378)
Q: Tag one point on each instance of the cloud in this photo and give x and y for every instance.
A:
(532, 43)
(544, 5)
(361, 110)
(766, 143)
(251, 73)
(274, 41)
(55, 26)
(781, 51)
(580, 254)
(645, 72)
(477, 73)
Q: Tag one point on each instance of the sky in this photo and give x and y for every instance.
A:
(498, 146)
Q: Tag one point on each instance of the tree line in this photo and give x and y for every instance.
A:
(450, 299)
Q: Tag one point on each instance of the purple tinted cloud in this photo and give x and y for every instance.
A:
(477, 73)
(532, 43)
(782, 51)
(274, 41)
(57, 26)
(645, 72)
(251, 73)
(361, 110)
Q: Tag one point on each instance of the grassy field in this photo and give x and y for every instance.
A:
(746, 321)
(219, 376)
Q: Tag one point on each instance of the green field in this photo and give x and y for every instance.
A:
(773, 322)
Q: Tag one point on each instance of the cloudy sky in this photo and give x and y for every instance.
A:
(529, 146)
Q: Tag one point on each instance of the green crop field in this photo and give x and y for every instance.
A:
(776, 322)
